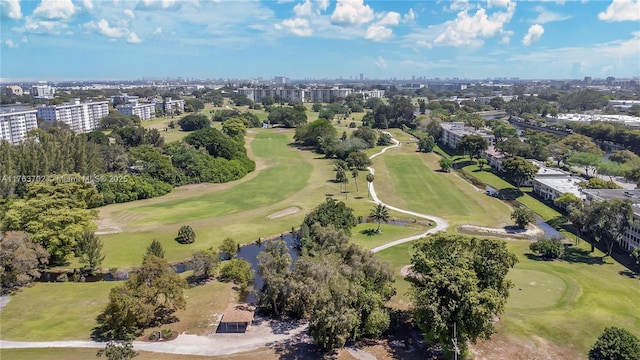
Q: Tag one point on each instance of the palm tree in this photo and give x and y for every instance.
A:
(380, 213)
(370, 181)
(340, 176)
(354, 175)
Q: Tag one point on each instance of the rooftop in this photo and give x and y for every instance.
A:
(238, 313)
(565, 184)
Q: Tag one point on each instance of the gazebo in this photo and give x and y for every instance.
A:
(236, 318)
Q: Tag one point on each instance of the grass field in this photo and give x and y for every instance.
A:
(360, 235)
(67, 311)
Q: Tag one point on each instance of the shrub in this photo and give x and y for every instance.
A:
(167, 333)
(238, 271)
(352, 125)
(229, 247)
(615, 344)
(186, 235)
(549, 248)
(523, 216)
(62, 278)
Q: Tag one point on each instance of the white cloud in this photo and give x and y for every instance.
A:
(55, 9)
(130, 13)
(323, 4)
(622, 10)
(461, 5)
(409, 16)
(133, 38)
(498, 3)
(159, 4)
(297, 26)
(88, 4)
(112, 32)
(9, 43)
(533, 35)
(157, 31)
(380, 30)
(546, 16)
(351, 13)
(11, 9)
(467, 30)
(304, 9)
(34, 26)
(381, 62)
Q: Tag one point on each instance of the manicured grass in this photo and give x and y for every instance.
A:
(535, 289)
(597, 294)
(398, 256)
(54, 311)
(368, 240)
(68, 311)
(493, 180)
(416, 186)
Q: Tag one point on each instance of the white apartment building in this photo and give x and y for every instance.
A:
(631, 238)
(369, 94)
(327, 95)
(81, 117)
(289, 95)
(170, 106)
(146, 111)
(14, 125)
(551, 186)
(43, 92)
(452, 132)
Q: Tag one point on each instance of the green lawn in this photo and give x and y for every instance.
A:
(360, 235)
(493, 180)
(54, 311)
(415, 185)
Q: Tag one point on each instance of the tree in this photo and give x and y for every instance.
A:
(238, 271)
(581, 143)
(20, 260)
(274, 265)
(380, 213)
(635, 255)
(316, 107)
(287, 116)
(205, 263)
(194, 104)
(523, 216)
(597, 183)
(186, 235)
(615, 344)
(370, 178)
(354, 175)
(426, 144)
(194, 122)
(608, 220)
(622, 156)
(234, 127)
(549, 248)
(519, 170)
(482, 163)
(434, 128)
(567, 200)
(367, 134)
(315, 133)
(229, 247)
(155, 249)
(358, 160)
(118, 350)
(384, 139)
(332, 212)
(559, 152)
(504, 131)
(340, 176)
(89, 250)
(460, 282)
(149, 297)
(472, 145)
(445, 164)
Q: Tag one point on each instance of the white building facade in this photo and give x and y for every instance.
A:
(170, 106)
(452, 132)
(14, 125)
(146, 111)
(81, 117)
(631, 238)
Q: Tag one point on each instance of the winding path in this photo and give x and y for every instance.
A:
(225, 344)
(441, 224)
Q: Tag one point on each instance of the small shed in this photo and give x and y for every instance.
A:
(236, 318)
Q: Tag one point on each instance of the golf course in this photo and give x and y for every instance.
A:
(556, 308)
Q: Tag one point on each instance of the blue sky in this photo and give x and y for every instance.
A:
(129, 39)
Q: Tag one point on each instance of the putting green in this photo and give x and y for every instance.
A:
(534, 289)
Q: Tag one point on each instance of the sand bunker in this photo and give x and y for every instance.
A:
(288, 211)
(514, 232)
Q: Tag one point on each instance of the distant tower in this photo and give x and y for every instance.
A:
(361, 76)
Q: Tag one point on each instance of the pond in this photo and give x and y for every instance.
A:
(250, 253)
(549, 231)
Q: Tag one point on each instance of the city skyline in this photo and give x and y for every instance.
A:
(75, 40)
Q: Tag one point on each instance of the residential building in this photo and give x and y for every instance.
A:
(452, 132)
(146, 111)
(494, 157)
(15, 89)
(123, 98)
(369, 94)
(14, 125)
(170, 106)
(552, 183)
(289, 95)
(328, 95)
(80, 116)
(43, 92)
(631, 238)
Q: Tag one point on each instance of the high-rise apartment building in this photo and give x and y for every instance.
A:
(81, 117)
(14, 125)
(146, 111)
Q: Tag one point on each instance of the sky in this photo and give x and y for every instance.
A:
(316, 39)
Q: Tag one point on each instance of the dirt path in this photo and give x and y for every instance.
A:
(267, 333)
